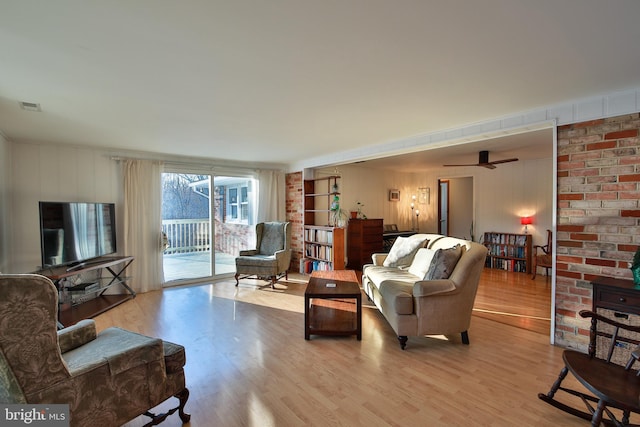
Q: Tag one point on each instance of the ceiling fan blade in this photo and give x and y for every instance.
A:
(497, 162)
(483, 161)
(488, 165)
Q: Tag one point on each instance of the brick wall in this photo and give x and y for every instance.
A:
(598, 227)
(294, 215)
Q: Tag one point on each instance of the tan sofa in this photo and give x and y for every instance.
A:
(415, 305)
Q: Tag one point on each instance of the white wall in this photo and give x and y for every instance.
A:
(501, 195)
(5, 176)
(45, 172)
(520, 189)
(371, 188)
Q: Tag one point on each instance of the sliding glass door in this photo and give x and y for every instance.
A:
(234, 219)
(207, 220)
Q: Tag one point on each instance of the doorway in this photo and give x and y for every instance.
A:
(443, 207)
(455, 207)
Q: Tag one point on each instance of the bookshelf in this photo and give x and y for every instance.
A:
(318, 195)
(508, 251)
(323, 249)
(323, 245)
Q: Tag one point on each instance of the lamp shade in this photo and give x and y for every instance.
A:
(525, 220)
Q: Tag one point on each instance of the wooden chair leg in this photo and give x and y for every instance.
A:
(556, 385)
(465, 337)
(182, 397)
(237, 279)
(597, 415)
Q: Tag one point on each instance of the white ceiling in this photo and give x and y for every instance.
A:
(286, 80)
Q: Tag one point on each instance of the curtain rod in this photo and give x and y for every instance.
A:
(210, 166)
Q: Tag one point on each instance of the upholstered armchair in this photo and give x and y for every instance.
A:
(272, 255)
(106, 378)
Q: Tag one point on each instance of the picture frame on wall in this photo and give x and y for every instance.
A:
(394, 195)
(424, 195)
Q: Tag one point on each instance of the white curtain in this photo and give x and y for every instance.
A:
(143, 222)
(271, 196)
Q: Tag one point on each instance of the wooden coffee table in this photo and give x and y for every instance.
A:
(333, 310)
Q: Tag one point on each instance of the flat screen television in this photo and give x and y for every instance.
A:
(73, 233)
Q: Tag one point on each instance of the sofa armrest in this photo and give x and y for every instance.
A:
(425, 288)
(76, 335)
(250, 252)
(378, 259)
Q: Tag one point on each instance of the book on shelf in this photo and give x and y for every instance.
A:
(307, 265)
(319, 251)
(319, 236)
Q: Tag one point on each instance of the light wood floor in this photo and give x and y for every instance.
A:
(514, 299)
(249, 365)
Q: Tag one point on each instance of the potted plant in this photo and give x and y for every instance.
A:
(635, 267)
(337, 216)
(359, 212)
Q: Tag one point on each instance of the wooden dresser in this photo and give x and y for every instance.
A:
(617, 299)
(364, 237)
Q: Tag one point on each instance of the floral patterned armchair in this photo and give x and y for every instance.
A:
(271, 257)
(106, 379)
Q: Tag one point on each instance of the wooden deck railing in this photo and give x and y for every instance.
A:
(193, 235)
(187, 235)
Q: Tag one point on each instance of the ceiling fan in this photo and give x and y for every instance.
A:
(483, 160)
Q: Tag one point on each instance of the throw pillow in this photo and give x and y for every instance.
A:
(403, 250)
(443, 263)
(421, 262)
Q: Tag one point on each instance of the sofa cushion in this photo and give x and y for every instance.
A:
(399, 296)
(379, 274)
(403, 250)
(273, 238)
(443, 263)
(421, 262)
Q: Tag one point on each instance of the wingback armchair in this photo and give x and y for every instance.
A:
(106, 378)
(272, 255)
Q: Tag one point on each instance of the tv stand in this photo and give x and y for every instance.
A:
(80, 299)
(76, 266)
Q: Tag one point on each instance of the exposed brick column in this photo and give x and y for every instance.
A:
(598, 214)
(295, 215)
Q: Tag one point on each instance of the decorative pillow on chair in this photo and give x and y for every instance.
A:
(403, 250)
(421, 262)
(443, 263)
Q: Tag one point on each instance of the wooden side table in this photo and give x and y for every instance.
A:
(327, 310)
(617, 299)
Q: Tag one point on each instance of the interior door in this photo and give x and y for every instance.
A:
(443, 207)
